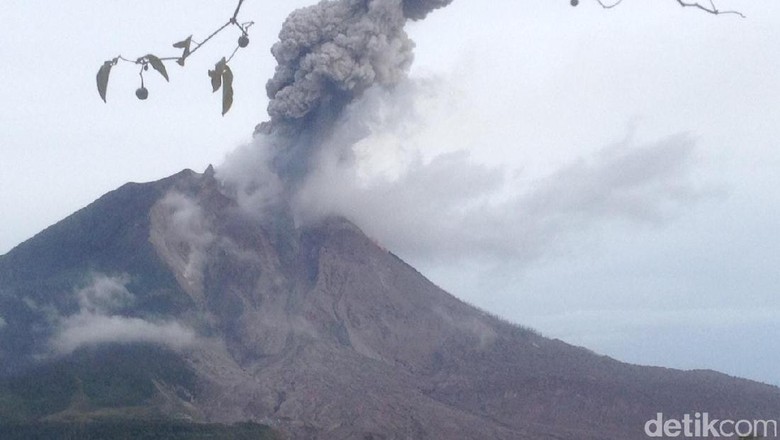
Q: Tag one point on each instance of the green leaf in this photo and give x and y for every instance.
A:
(184, 44)
(158, 65)
(102, 78)
(227, 90)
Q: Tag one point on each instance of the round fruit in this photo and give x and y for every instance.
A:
(575, 2)
(146, 67)
(243, 41)
(142, 93)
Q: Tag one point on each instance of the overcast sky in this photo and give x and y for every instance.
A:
(637, 207)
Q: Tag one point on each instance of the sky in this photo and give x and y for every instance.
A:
(607, 177)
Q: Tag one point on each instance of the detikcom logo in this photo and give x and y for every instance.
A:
(701, 425)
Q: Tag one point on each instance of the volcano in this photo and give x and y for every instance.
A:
(164, 300)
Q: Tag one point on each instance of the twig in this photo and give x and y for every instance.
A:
(606, 6)
(213, 34)
(232, 20)
(232, 54)
(238, 7)
(225, 75)
(712, 10)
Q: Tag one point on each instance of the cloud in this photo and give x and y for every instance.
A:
(2, 323)
(448, 206)
(104, 295)
(99, 321)
(87, 329)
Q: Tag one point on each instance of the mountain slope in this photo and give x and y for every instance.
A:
(314, 329)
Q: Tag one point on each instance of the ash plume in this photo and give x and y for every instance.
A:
(328, 54)
(341, 102)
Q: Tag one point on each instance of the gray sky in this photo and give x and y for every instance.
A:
(636, 207)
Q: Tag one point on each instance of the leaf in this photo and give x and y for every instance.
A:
(227, 90)
(184, 44)
(221, 65)
(102, 78)
(216, 80)
(158, 65)
(216, 74)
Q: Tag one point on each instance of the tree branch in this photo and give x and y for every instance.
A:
(157, 63)
(606, 6)
(712, 9)
(238, 8)
(209, 38)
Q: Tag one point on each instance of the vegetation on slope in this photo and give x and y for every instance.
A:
(118, 380)
(136, 430)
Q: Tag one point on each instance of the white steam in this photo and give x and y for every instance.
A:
(100, 320)
(104, 295)
(182, 236)
(373, 169)
(248, 171)
(343, 140)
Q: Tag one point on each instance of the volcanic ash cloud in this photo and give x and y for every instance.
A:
(328, 55)
(341, 88)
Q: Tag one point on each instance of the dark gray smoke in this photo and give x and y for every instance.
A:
(328, 54)
(418, 9)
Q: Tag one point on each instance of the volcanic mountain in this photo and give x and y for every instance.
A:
(166, 300)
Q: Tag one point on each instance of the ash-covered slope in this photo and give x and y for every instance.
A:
(206, 313)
